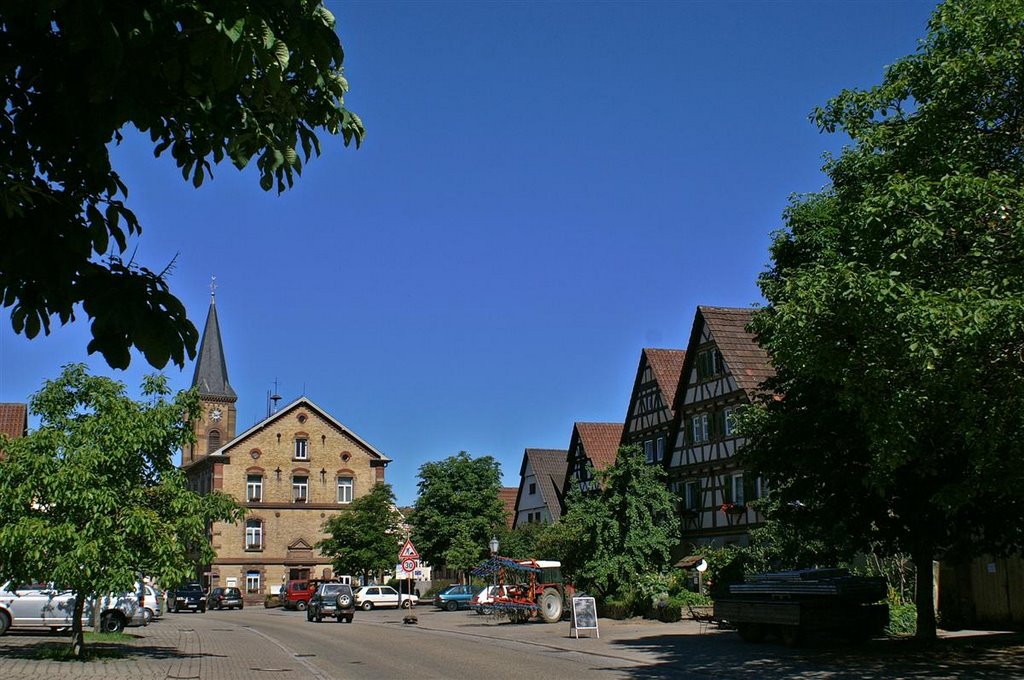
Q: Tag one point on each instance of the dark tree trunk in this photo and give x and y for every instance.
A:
(77, 635)
(926, 629)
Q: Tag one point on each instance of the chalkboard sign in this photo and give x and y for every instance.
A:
(584, 615)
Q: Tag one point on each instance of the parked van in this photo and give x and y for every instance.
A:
(44, 605)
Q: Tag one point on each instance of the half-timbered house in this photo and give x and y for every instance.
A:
(650, 418)
(723, 369)
(592, 448)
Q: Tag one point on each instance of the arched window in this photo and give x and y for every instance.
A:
(213, 441)
(254, 534)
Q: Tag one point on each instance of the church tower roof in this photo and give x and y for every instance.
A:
(211, 375)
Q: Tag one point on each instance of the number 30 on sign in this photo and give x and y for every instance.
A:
(408, 566)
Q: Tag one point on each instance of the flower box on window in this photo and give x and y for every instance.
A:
(255, 499)
(300, 499)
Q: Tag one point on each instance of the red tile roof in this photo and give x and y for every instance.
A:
(507, 494)
(600, 442)
(745, 359)
(14, 420)
(667, 365)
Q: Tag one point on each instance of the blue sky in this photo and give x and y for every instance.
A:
(545, 188)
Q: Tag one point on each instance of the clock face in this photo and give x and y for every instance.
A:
(215, 414)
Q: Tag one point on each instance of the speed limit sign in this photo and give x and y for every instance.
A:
(408, 566)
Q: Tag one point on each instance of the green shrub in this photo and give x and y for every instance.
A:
(688, 597)
(672, 611)
(621, 607)
(271, 601)
(902, 619)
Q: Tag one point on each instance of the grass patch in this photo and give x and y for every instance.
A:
(98, 647)
(62, 652)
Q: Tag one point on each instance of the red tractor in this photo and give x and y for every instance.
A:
(527, 589)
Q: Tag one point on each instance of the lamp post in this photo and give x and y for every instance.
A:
(494, 545)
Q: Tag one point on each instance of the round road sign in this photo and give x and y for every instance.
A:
(409, 566)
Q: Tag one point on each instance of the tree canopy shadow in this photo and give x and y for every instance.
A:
(724, 655)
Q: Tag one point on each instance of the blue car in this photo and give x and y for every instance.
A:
(456, 597)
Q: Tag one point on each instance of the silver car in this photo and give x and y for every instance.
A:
(43, 605)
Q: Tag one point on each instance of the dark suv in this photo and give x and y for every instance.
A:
(225, 598)
(332, 599)
(189, 596)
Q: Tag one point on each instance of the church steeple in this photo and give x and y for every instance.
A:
(211, 376)
(217, 426)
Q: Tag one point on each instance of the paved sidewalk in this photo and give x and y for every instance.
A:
(175, 647)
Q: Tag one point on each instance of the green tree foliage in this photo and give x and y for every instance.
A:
(895, 311)
(365, 538)
(92, 498)
(606, 539)
(457, 510)
(521, 543)
(206, 81)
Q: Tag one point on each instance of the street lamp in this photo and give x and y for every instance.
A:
(494, 545)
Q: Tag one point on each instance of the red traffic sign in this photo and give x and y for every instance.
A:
(408, 552)
(408, 565)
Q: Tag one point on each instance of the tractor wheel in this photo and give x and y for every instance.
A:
(550, 602)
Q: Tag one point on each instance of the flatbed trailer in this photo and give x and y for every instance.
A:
(793, 605)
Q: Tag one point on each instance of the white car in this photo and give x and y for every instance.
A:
(43, 605)
(152, 602)
(485, 597)
(369, 597)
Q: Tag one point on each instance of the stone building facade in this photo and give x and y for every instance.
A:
(292, 471)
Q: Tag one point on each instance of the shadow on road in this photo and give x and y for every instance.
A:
(723, 655)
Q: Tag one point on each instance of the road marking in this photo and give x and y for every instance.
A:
(317, 673)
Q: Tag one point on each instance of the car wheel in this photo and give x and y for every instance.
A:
(202, 609)
(309, 614)
(406, 604)
(348, 620)
(319, 617)
(5, 622)
(147, 616)
(451, 605)
(111, 623)
(344, 600)
(367, 606)
(300, 605)
(241, 606)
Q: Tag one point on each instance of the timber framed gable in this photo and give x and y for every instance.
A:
(722, 370)
(650, 419)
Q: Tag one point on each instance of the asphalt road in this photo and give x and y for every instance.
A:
(273, 643)
(378, 645)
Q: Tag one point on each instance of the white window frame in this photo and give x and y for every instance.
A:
(738, 496)
(252, 582)
(300, 489)
(301, 448)
(254, 534)
(254, 488)
(700, 428)
(730, 423)
(692, 493)
(343, 497)
(649, 451)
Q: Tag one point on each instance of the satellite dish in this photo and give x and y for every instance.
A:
(702, 566)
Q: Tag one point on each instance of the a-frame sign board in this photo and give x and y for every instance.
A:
(408, 551)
